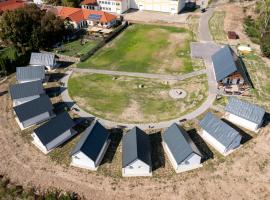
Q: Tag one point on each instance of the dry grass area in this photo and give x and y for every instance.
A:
(136, 100)
(242, 175)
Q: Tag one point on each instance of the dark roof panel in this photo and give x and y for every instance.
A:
(221, 131)
(54, 128)
(33, 108)
(136, 145)
(27, 89)
(92, 141)
(30, 73)
(224, 63)
(243, 109)
(179, 143)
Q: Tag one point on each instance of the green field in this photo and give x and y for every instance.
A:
(216, 26)
(131, 99)
(146, 48)
(76, 48)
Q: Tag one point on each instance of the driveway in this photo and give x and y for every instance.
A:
(203, 49)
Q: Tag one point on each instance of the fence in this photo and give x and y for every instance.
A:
(118, 30)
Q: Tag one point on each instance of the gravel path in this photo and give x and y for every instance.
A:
(142, 75)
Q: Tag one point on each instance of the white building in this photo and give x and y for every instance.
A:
(30, 73)
(121, 6)
(219, 134)
(181, 150)
(25, 92)
(136, 154)
(34, 112)
(53, 133)
(91, 148)
(244, 114)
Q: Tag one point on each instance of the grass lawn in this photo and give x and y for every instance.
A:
(123, 100)
(259, 73)
(146, 48)
(216, 25)
(75, 48)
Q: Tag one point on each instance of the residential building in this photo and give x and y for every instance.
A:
(230, 72)
(242, 113)
(219, 134)
(136, 154)
(11, 5)
(121, 6)
(25, 92)
(30, 73)
(34, 112)
(44, 59)
(82, 18)
(181, 150)
(53, 133)
(91, 148)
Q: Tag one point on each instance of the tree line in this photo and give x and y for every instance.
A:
(28, 29)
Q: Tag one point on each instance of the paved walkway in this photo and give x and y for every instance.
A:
(204, 36)
(142, 75)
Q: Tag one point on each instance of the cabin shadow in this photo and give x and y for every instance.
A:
(64, 64)
(3, 93)
(245, 137)
(116, 135)
(62, 106)
(189, 7)
(266, 119)
(54, 91)
(55, 77)
(157, 151)
(201, 145)
(82, 123)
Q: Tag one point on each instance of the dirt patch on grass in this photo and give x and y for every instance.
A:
(168, 56)
(132, 112)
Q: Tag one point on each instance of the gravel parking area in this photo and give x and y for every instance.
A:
(203, 49)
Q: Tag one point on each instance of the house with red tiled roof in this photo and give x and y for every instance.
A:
(11, 5)
(81, 18)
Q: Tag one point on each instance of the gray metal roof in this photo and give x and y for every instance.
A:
(136, 145)
(33, 108)
(221, 131)
(27, 89)
(92, 141)
(179, 143)
(54, 128)
(46, 59)
(243, 109)
(224, 63)
(30, 73)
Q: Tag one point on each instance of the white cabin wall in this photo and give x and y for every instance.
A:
(216, 144)
(243, 122)
(170, 155)
(81, 160)
(137, 168)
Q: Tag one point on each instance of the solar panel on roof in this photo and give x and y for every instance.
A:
(94, 17)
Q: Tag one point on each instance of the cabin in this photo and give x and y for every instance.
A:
(230, 72)
(25, 92)
(181, 150)
(30, 73)
(219, 134)
(34, 112)
(91, 148)
(242, 113)
(136, 154)
(48, 60)
(53, 133)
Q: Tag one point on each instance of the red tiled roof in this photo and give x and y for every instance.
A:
(77, 14)
(89, 2)
(11, 5)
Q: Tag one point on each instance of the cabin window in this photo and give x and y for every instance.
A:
(76, 157)
(139, 167)
(130, 167)
(238, 81)
(186, 162)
